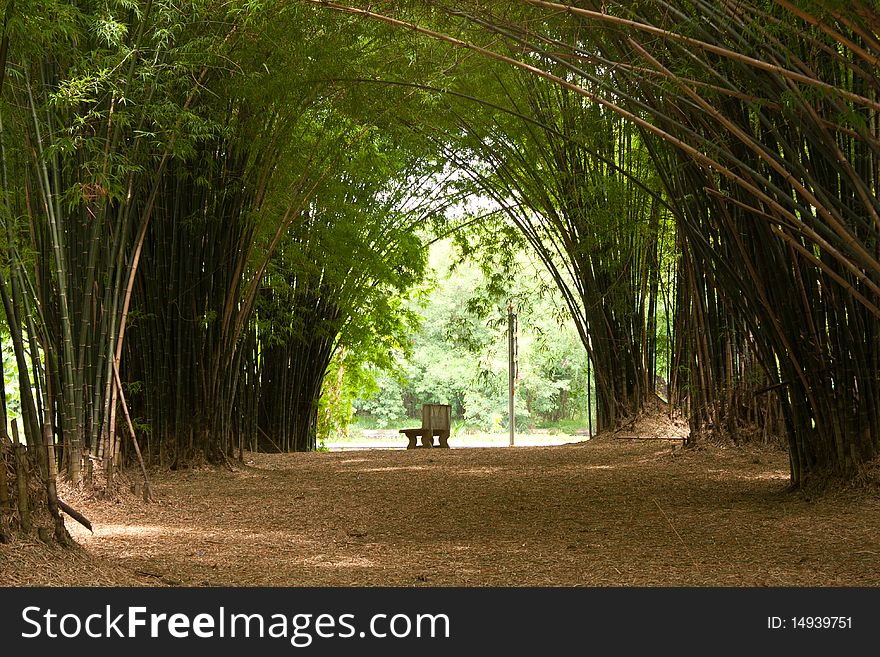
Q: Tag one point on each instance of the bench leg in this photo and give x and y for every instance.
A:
(427, 440)
(412, 441)
(444, 438)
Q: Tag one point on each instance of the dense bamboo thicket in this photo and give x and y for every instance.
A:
(779, 211)
(97, 110)
(167, 153)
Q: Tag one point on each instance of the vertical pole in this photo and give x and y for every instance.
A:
(511, 378)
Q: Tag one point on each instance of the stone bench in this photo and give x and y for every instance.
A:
(435, 422)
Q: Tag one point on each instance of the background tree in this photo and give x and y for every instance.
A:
(458, 355)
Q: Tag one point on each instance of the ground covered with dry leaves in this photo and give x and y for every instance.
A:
(600, 513)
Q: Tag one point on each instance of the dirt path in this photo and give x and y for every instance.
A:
(601, 513)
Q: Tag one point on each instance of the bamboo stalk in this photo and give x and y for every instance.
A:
(4, 485)
(51, 483)
(148, 489)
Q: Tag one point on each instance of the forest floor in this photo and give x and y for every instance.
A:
(598, 513)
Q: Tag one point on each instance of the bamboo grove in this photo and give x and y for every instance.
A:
(206, 205)
(169, 184)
